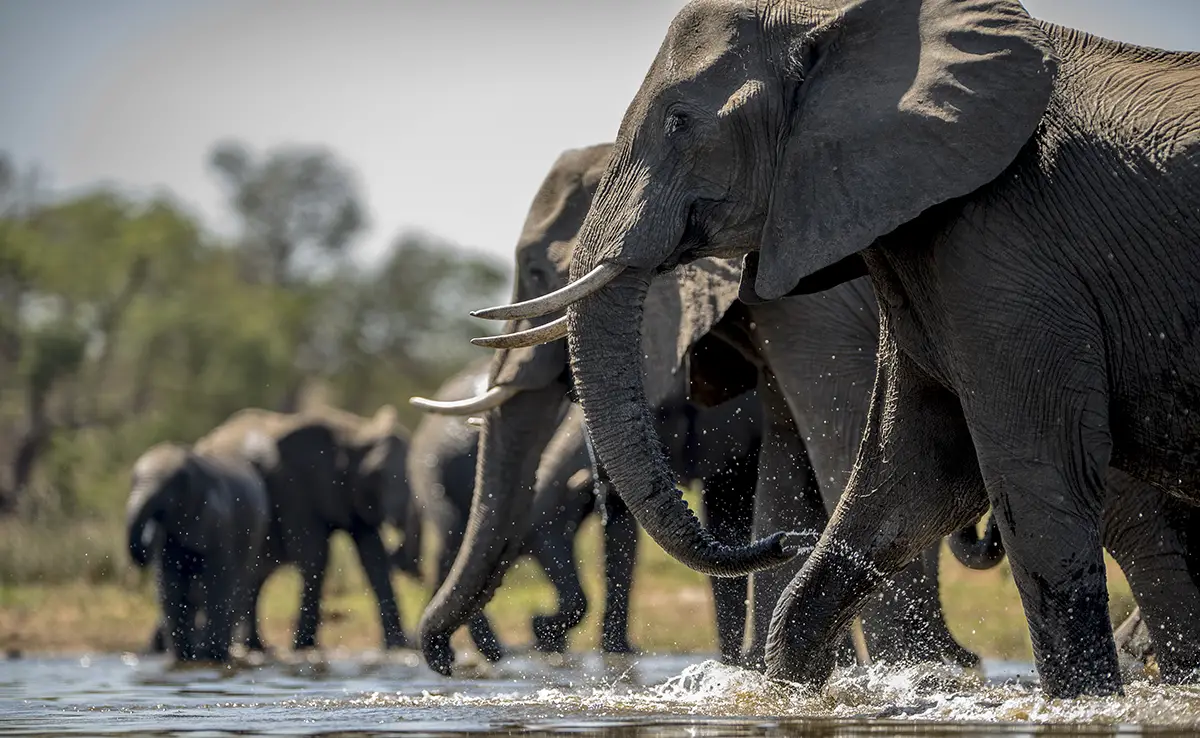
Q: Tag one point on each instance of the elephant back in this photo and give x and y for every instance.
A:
(307, 482)
(371, 460)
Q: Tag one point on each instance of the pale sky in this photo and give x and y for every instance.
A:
(450, 110)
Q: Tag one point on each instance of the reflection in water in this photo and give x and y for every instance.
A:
(582, 694)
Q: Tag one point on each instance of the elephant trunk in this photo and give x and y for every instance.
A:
(975, 552)
(510, 446)
(605, 343)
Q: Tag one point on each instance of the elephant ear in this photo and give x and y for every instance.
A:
(898, 105)
(381, 460)
(681, 308)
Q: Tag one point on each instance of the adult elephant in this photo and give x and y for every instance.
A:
(1025, 199)
(203, 519)
(442, 467)
(527, 387)
(325, 470)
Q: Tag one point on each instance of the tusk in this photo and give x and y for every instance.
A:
(551, 331)
(493, 398)
(557, 300)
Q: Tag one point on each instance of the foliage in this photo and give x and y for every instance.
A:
(124, 322)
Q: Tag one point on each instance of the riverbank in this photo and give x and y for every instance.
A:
(86, 597)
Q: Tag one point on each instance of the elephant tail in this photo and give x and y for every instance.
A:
(975, 552)
(145, 531)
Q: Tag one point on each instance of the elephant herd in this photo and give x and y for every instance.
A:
(863, 270)
(955, 252)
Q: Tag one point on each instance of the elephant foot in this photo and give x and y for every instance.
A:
(959, 655)
(304, 644)
(617, 644)
(491, 650)
(754, 662)
(549, 634)
(438, 653)
(393, 641)
(215, 656)
(158, 642)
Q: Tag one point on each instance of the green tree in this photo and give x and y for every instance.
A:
(298, 207)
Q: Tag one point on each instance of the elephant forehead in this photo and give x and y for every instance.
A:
(701, 32)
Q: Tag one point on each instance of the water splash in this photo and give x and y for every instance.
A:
(390, 693)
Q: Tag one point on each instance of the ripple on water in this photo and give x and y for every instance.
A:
(578, 693)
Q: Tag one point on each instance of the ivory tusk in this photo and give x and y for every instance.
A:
(493, 398)
(557, 300)
(551, 331)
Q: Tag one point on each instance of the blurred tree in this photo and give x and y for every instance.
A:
(404, 324)
(298, 206)
(122, 323)
(299, 210)
(71, 272)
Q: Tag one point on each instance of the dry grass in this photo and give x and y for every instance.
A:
(69, 588)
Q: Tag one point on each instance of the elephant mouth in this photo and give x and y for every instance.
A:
(701, 240)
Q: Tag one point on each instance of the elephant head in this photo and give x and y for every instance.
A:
(525, 395)
(792, 134)
(371, 459)
(168, 495)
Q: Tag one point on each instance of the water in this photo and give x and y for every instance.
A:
(584, 694)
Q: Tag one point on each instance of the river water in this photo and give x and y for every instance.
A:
(579, 694)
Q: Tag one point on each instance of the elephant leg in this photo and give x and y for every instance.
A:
(254, 641)
(478, 625)
(312, 562)
(158, 638)
(620, 557)
(374, 559)
(178, 606)
(222, 597)
(728, 500)
(1044, 454)
(915, 481)
(1138, 533)
(554, 550)
(904, 622)
(787, 497)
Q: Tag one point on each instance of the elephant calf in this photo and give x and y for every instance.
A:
(204, 520)
(325, 470)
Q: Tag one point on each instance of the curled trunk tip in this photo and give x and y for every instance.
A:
(974, 551)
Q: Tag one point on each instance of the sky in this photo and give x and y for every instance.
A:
(450, 111)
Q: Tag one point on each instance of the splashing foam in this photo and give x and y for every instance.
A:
(920, 692)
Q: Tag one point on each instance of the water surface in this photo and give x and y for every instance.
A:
(580, 694)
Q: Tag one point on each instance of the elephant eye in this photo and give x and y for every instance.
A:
(676, 123)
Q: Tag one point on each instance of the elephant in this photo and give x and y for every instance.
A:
(1024, 200)
(442, 467)
(203, 519)
(325, 470)
(527, 387)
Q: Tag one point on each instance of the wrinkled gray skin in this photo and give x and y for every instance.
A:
(1025, 200)
(441, 473)
(203, 521)
(905, 624)
(442, 465)
(325, 470)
